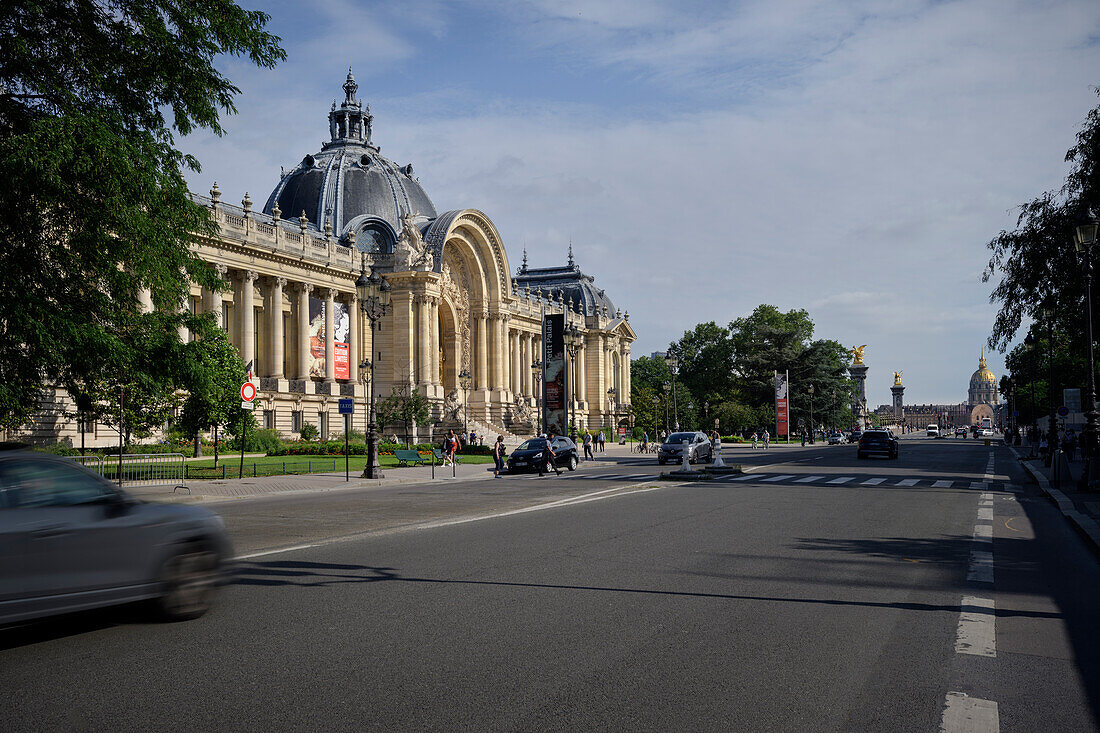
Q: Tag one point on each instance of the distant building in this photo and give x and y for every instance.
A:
(983, 400)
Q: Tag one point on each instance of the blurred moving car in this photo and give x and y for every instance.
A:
(961, 430)
(71, 541)
(531, 451)
(933, 431)
(699, 448)
(837, 438)
(880, 442)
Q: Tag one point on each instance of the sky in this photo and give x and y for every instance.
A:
(847, 158)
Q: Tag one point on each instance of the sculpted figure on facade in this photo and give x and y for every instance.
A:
(521, 415)
(451, 406)
(410, 252)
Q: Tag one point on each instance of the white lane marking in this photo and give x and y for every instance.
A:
(982, 530)
(275, 552)
(985, 512)
(977, 633)
(746, 477)
(783, 477)
(808, 479)
(981, 567)
(842, 480)
(908, 482)
(965, 714)
(986, 497)
(872, 482)
(942, 485)
(979, 485)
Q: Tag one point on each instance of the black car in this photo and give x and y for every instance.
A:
(699, 448)
(533, 451)
(881, 442)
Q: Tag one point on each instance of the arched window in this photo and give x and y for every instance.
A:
(375, 239)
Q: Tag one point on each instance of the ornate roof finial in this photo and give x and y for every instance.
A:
(571, 263)
(981, 359)
(350, 88)
(523, 267)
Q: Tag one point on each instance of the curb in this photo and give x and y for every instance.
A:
(1084, 524)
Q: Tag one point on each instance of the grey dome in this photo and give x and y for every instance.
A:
(350, 183)
(569, 282)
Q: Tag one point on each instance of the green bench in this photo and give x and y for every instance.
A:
(407, 457)
(441, 456)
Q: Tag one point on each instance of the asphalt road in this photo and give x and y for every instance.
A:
(817, 593)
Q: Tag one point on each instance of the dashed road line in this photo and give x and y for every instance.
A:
(977, 633)
(841, 480)
(808, 479)
(942, 484)
(778, 478)
(965, 714)
(908, 482)
(872, 482)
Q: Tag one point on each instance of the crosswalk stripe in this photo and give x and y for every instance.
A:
(942, 485)
(979, 485)
(746, 477)
(873, 482)
(841, 480)
(908, 482)
(784, 477)
(808, 479)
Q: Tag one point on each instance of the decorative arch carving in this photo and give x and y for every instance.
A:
(484, 241)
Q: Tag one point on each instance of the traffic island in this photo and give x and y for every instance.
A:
(722, 470)
(682, 475)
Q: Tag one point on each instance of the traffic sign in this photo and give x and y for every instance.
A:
(1063, 411)
(347, 406)
(247, 405)
(248, 391)
(716, 423)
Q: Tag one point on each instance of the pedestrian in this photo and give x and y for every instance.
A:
(498, 456)
(603, 447)
(767, 437)
(551, 456)
(588, 446)
(802, 433)
(473, 437)
(453, 447)
(645, 441)
(754, 439)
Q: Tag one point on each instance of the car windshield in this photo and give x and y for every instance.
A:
(532, 444)
(678, 438)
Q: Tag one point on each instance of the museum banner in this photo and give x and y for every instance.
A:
(554, 376)
(340, 331)
(782, 418)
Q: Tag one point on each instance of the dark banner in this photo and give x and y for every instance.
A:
(554, 381)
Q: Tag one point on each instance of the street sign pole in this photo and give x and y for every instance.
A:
(248, 393)
(347, 409)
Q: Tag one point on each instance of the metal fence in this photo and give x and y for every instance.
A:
(143, 469)
(231, 469)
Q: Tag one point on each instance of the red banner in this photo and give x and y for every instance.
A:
(781, 417)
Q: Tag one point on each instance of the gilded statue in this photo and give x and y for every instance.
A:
(897, 379)
(857, 352)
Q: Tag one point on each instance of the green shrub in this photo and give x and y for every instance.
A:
(308, 431)
(258, 441)
(475, 450)
(60, 449)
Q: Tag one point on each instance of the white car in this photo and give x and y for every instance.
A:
(933, 431)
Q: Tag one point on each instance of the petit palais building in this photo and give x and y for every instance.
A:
(456, 306)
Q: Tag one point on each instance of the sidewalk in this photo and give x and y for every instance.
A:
(1081, 508)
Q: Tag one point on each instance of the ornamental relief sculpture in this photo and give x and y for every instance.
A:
(455, 284)
(410, 252)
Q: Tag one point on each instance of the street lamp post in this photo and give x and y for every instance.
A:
(1029, 343)
(673, 362)
(668, 388)
(810, 389)
(574, 339)
(374, 301)
(656, 402)
(1052, 425)
(1090, 477)
(536, 369)
(465, 379)
(614, 412)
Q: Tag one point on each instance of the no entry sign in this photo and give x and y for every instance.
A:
(248, 391)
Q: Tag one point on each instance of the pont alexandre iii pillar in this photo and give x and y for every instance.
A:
(304, 290)
(275, 319)
(248, 317)
(330, 335)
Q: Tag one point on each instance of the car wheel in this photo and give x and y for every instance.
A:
(572, 463)
(188, 581)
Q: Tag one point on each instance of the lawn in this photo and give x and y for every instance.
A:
(229, 465)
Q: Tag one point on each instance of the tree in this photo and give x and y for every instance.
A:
(766, 341)
(213, 371)
(405, 406)
(87, 153)
(706, 365)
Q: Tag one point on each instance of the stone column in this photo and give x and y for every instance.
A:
(500, 351)
(248, 317)
(482, 372)
(582, 380)
(304, 290)
(277, 285)
(525, 365)
(214, 300)
(353, 338)
(424, 370)
(514, 355)
(330, 336)
(433, 341)
(625, 397)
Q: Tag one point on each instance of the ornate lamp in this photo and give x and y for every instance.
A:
(374, 300)
(673, 363)
(1084, 240)
(465, 379)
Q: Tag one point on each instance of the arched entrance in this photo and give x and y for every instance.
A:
(449, 348)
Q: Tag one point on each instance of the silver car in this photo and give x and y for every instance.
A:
(70, 541)
(699, 448)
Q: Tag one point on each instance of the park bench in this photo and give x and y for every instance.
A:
(406, 457)
(441, 456)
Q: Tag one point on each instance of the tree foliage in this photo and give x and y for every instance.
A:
(213, 370)
(405, 406)
(92, 95)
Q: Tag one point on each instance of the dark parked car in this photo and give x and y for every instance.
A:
(70, 541)
(855, 435)
(699, 448)
(880, 442)
(532, 451)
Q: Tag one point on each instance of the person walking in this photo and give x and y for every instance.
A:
(551, 456)
(603, 447)
(588, 446)
(452, 449)
(767, 437)
(498, 456)
(754, 439)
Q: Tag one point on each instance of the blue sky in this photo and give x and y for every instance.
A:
(850, 158)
